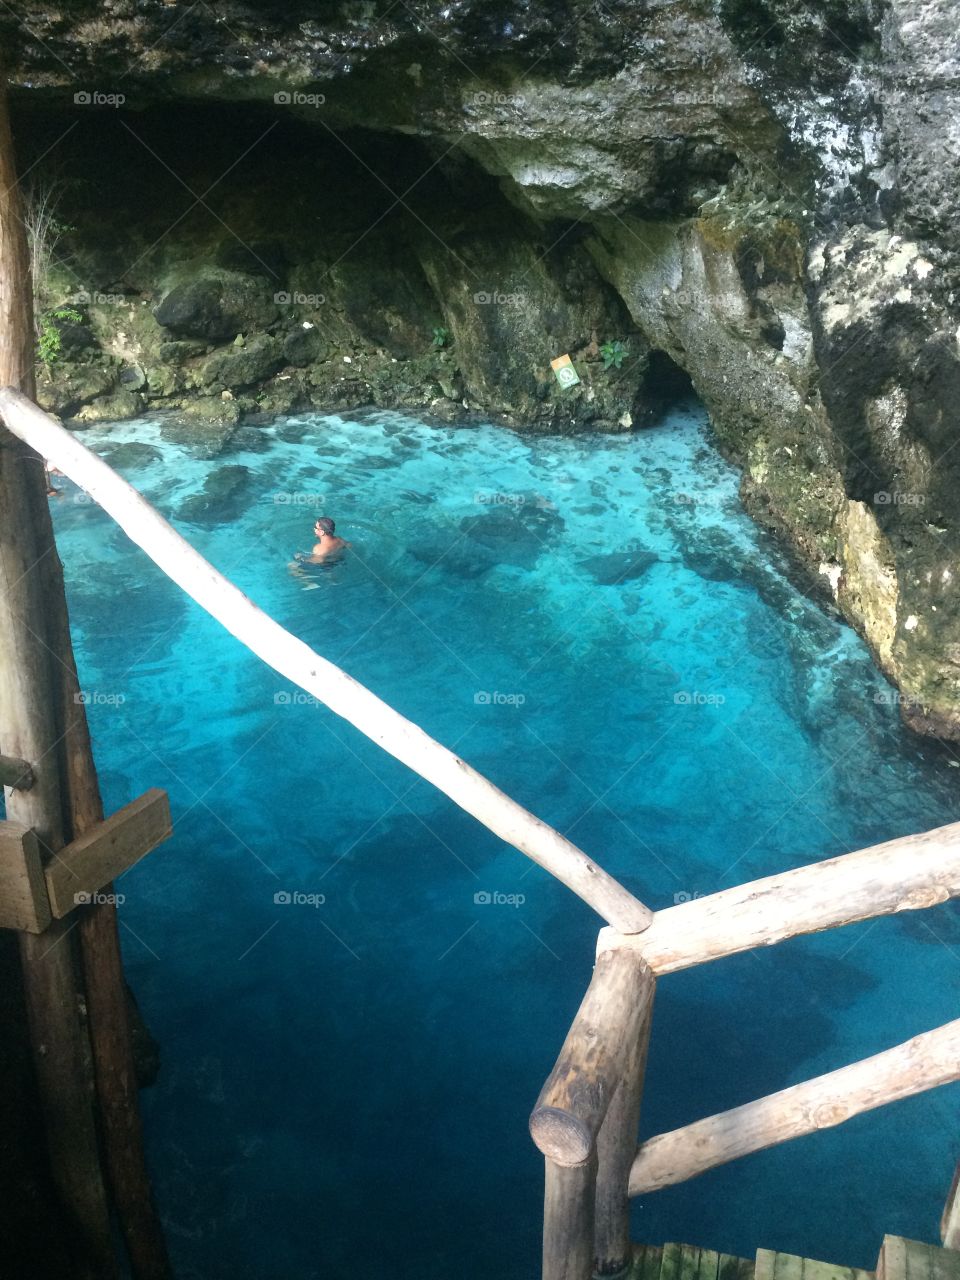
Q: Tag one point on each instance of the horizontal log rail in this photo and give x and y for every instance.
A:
(592, 1062)
(298, 663)
(925, 1062)
(900, 875)
(15, 773)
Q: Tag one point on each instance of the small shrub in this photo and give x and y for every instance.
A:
(48, 332)
(614, 353)
(440, 336)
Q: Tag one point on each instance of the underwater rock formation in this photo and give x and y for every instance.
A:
(421, 205)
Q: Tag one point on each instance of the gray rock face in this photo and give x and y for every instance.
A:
(767, 192)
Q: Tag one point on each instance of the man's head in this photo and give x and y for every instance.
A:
(323, 526)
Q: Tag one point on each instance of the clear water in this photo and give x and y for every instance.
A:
(346, 1085)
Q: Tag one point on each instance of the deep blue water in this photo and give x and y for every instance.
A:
(346, 1084)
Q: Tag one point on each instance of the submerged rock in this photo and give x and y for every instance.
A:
(615, 567)
(224, 497)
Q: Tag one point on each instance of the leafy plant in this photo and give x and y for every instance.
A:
(48, 332)
(614, 353)
(440, 336)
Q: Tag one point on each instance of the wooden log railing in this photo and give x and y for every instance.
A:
(950, 1222)
(926, 1061)
(309, 671)
(900, 875)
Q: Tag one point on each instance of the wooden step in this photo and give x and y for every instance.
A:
(787, 1266)
(902, 1259)
(687, 1262)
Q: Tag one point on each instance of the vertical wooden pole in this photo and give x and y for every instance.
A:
(71, 765)
(568, 1208)
(950, 1222)
(617, 1147)
(29, 726)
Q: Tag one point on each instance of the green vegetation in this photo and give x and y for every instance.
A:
(48, 332)
(440, 336)
(614, 353)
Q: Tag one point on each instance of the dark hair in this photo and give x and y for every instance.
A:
(326, 524)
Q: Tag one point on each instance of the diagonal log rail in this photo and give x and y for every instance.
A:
(296, 661)
(900, 875)
(924, 1062)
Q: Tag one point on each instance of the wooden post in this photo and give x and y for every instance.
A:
(46, 723)
(568, 1209)
(579, 1089)
(950, 1222)
(616, 1148)
(52, 984)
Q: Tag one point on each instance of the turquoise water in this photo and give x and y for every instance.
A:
(358, 990)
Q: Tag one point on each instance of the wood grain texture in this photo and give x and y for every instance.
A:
(900, 875)
(924, 1062)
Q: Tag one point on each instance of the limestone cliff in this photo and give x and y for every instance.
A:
(421, 204)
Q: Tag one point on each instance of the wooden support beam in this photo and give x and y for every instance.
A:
(899, 875)
(306, 669)
(17, 774)
(926, 1061)
(23, 893)
(902, 1259)
(29, 731)
(616, 1148)
(76, 874)
(568, 1206)
(950, 1222)
(591, 1065)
